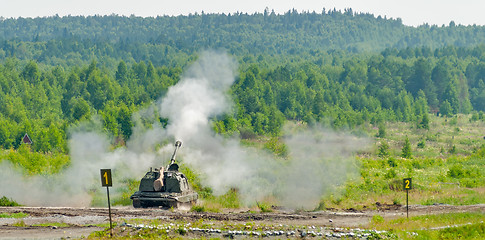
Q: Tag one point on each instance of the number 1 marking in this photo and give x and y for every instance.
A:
(106, 177)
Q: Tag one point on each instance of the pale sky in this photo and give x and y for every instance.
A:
(412, 12)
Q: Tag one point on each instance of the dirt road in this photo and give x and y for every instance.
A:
(40, 223)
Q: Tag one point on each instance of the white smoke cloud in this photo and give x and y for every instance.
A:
(38, 190)
(200, 94)
(319, 159)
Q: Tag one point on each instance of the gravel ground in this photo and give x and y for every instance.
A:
(284, 224)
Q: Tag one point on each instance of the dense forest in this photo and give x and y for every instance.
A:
(341, 69)
(164, 39)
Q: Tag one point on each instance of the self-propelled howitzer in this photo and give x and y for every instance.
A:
(165, 187)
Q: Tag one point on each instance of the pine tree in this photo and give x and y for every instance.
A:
(383, 150)
(446, 109)
(424, 121)
(406, 149)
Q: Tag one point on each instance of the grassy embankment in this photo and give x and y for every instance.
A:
(447, 166)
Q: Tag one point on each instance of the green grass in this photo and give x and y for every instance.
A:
(442, 226)
(426, 222)
(458, 180)
(13, 215)
(472, 231)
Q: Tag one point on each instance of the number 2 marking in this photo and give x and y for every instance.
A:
(407, 184)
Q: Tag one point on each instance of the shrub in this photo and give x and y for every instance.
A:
(197, 208)
(276, 147)
(6, 202)
(456, 171)
(469, 183)
(392, 162)
(264, 207)
(452, 149)
(182, 231)
(422, 144)
(390, 174)
(417, 164)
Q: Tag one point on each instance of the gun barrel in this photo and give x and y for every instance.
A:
(178, 144)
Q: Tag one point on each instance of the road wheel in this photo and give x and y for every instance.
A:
(136, 203)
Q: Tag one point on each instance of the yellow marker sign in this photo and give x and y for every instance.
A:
(407, 183)
(106, 178)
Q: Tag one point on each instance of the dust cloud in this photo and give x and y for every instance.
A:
(319, 159)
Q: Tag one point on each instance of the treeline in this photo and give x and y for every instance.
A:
(352, 89)
(336, 88)
(75, 40)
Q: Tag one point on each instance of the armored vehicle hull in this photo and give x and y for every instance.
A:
(159, 199)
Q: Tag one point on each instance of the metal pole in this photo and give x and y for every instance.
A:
(407, 203)
(109, 212)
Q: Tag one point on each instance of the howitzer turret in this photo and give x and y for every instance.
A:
(165, 187)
